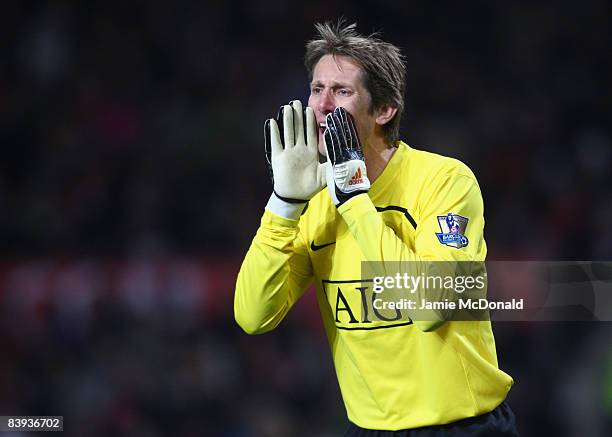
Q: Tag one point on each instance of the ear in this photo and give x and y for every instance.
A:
(385, 114)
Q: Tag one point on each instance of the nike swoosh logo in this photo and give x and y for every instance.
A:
(314, 247)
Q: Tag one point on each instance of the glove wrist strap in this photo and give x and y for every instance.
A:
(281, 207)
(288, 199)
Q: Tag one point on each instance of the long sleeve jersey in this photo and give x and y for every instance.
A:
(393, 374)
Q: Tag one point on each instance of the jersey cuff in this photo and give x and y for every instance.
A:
(286, 210)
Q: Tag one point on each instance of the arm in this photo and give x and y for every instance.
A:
(277, 267)
(273, 275)
(455, 192)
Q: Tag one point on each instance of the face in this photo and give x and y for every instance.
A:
(338, 82)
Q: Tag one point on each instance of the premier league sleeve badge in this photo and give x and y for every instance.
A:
(453, 228)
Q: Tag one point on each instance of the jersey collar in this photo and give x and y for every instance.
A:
(391, 170)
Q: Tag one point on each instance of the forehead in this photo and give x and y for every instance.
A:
(337, 69)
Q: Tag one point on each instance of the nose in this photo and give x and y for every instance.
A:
(326, 102)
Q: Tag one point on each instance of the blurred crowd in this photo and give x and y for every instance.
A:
(138, 125)
(148, 347)
(132, 130)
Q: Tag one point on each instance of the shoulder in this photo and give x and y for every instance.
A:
(433, 165)
(432, 177)
(429, 168)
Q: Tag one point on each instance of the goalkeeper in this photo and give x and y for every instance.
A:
(374, 199)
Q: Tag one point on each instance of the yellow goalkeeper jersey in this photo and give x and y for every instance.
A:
(392, 374)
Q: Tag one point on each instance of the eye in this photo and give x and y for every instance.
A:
(315, 90)
(344, 92)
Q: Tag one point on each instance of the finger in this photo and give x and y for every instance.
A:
(340, 139)
(288, 132)
(327, 140)
(353, 131)
(312, 130)
(332, 139)
(267, 144)
(298, 121)
(348, 126)
(329, 145)
(273, 137)
(280, 122)
(340, 114)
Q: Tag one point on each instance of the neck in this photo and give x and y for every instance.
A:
(377, 154)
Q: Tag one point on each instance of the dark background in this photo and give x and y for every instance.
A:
(132, 180)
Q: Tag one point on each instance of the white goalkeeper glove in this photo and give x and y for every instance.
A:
(293, 159)
(346, 170)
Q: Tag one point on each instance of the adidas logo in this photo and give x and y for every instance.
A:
(357, 178)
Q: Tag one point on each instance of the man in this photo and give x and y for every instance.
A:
(384, 201)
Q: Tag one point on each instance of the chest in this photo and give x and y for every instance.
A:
(335, 254)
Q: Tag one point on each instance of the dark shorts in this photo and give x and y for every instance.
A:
(499, 422)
